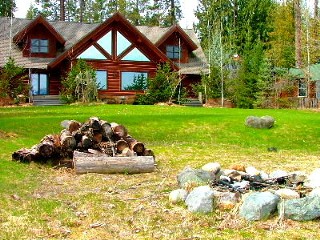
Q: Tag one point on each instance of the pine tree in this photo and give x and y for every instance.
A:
(7, 7)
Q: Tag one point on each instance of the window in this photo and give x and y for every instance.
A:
(302, 88)
(102, 77)
(92, 53)
(134, 80)
(136, 55)
(39, 46)
(39, 82)
(173, 52)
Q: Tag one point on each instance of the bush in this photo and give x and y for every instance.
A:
(161, 88)
(80, 84)
(12, 81)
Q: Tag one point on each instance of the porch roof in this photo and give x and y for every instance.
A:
(302, 73)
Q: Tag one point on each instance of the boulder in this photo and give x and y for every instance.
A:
(278, 174)
(286, 193)
(260, 122)
(259, 205)
(313, 180)
(213, 167)
(302, 209)
(190, 178)
(178, 195)
(200, 199)
(227, 200)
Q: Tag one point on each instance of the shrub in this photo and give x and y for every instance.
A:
(80, 84)
(11, 81)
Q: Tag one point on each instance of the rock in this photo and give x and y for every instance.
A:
(190, 178)
(213, 167)
(200, 199)
(178, 195)
(297, 177)
(260, 122)
(227, 200)
(259, 205)
(264, 176)
(243, 185)
(238, 167)
(278, 174)
(313, 181)
(286, 193)
(314, 192)
(302, 209)
(252, 171)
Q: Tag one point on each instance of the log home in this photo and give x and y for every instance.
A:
(116, 49)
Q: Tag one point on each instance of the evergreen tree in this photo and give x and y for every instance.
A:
(7, 7)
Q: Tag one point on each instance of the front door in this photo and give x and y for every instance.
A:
(39, 83)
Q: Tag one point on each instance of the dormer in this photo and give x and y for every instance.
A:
(39, 39)
(176, 44)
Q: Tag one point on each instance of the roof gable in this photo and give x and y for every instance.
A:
(117, 21)
(38, 20)
(177, 29)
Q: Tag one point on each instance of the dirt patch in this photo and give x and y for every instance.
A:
(4, 134)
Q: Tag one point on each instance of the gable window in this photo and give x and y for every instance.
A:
(39, 82)
(134, 80)
(302, 88)
(173, 52)
(39, 45)
(102, 79)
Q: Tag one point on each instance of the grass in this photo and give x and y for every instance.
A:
(38, 202)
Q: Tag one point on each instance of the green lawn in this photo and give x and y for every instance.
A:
(38, 202)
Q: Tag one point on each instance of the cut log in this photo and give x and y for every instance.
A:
(119, 131)
(101, 163)
(106, 130)
(134, 145)
(68, 142)
(86, 142)
(49, 146)
(94, 123)
(120, 145)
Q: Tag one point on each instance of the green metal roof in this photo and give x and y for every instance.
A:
(314, 70)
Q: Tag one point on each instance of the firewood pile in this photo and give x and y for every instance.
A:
(95, 136)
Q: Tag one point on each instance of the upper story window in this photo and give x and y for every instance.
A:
(39, 45)
(173, 52)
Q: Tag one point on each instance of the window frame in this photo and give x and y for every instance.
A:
(173, 51)
(122, 87)
(38, 45)
(302, 88)
(38, 83)
(106, 79)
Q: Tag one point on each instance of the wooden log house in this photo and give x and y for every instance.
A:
(116, 49)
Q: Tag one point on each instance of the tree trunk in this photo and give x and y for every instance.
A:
(316, 10)
(101, 163)
(62, 11)
(298, 33)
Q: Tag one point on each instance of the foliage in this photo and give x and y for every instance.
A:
(139, 12)
(11, 80)
(7, 7)
(80, 84)
(253, 84)
(139, 83)
(161, 88)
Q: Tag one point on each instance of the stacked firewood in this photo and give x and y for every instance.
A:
(95, 136)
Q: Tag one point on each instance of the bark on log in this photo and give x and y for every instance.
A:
(86, 142)
(94, 123)
(106, 130)
(68, 142)
(49, 146)
(101, 163)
